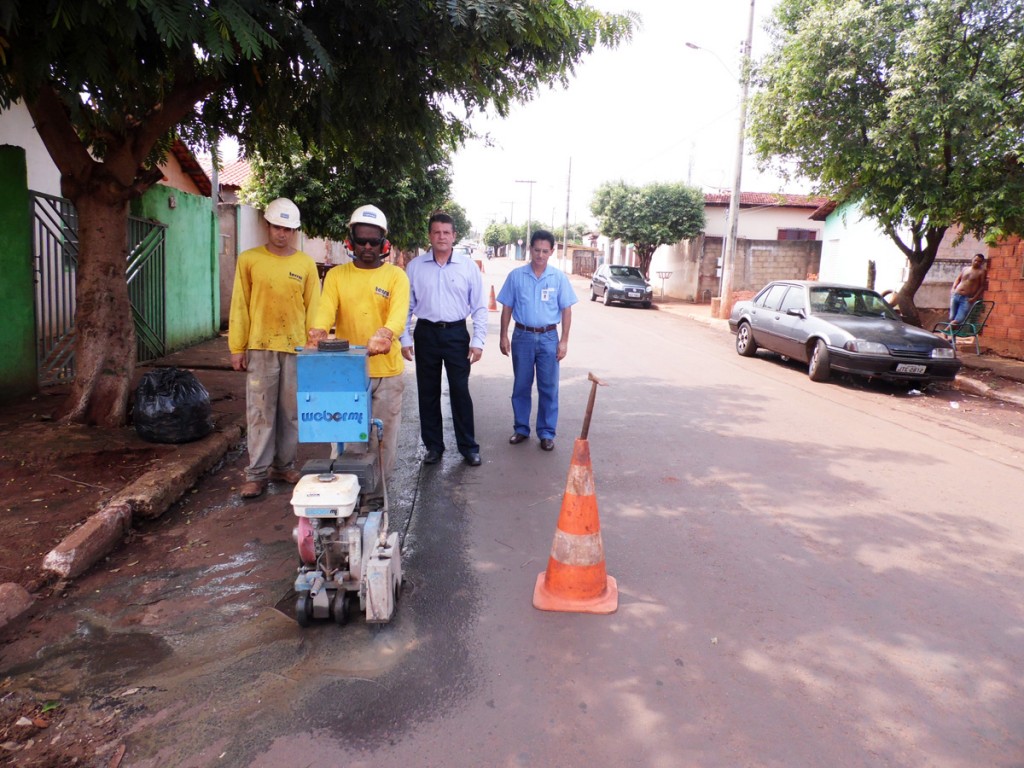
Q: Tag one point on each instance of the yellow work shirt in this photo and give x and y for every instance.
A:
(273, 302)
(357, 302)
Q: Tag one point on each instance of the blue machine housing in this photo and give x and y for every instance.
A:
(334, 396)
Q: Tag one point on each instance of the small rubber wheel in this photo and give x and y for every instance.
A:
(304, 609)
(593, 294)
(342, 608)
(606, 299)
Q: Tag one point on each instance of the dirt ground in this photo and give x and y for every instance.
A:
(52, 478)
(48, 486)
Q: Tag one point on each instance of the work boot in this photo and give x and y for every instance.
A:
(252, 488)
(290, 476)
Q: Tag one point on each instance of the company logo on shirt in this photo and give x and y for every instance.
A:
(294, 276)
(382, 292)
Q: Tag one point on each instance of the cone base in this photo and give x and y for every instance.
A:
(606, 602)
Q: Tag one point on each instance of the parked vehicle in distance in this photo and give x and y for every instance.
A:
(834, 327)
(617, 282)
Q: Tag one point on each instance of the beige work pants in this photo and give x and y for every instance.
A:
(386, 399)
(271, 412)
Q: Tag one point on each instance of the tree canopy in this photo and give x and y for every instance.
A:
(649, 216)
(110, 83)
(328, 193)
(912, 109)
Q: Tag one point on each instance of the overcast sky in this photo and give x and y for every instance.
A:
(651, 110)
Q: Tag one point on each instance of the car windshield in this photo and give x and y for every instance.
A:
(618, 271)
(849, 301)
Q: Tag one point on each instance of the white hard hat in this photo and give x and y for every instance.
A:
(369, 214)
(282, 212)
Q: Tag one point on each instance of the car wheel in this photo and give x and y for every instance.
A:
(745, 344)
(646, 305)
(593, 294)
(606, 298)
(818, 368)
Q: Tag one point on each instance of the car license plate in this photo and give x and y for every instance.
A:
(910, 368)
(633, 294)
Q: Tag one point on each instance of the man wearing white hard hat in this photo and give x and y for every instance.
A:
(367, 302)
(273, 305)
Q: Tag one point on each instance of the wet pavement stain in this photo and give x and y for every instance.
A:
(104, 657)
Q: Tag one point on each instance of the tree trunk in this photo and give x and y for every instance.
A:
(920, 255)
(104, 329)
(644, 254)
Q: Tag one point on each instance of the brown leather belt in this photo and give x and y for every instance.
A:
(531, 329)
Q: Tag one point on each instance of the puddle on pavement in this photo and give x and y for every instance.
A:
(93, 655)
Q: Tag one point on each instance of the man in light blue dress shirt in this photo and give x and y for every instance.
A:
(445, 289)
(538, 298)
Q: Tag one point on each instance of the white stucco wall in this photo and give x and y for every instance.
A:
(760, 223)
(17, 129)
(850, 242)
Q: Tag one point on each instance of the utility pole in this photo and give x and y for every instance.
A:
(565, 235)
(732, 227)
(529, 207)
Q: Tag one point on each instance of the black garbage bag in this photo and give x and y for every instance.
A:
(172, 406)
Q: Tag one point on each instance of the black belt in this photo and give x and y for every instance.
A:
(448, 324)
(545, 329)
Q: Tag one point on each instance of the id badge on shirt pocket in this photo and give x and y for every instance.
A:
(547, 294)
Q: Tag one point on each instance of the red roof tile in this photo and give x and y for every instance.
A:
(231, 175)
(766, 199)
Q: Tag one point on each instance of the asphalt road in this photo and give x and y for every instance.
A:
(809, 575)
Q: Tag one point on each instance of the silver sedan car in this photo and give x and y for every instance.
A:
(835, 327)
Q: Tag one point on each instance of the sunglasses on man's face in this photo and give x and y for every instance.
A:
(374, 241)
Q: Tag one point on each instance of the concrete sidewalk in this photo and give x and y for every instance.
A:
(153, 493)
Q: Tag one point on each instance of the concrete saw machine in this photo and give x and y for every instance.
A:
(348, 561)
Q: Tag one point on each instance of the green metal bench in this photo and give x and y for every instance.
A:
(972, 325)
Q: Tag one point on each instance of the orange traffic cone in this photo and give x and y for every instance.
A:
(492, 304)
(575, 580)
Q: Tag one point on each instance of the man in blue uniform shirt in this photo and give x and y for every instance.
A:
(538, 298)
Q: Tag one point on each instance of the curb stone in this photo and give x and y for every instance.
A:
(975, 387)
(147, 497)
(14, 602)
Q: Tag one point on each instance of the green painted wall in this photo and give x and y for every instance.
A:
(17, 290)
(193, 294)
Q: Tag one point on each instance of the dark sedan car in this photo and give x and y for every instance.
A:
(617, 282)
(840, 328)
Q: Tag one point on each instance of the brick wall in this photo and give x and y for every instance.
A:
(1004, 332)
(761, 261)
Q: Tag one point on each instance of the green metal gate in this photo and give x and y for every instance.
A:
(55, 255)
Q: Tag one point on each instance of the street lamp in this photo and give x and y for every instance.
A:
(732, 224)
(725, 66)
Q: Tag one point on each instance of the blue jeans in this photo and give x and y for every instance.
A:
(959, 306)
(535, 352)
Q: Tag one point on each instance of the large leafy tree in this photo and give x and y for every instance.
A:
(109, 83)
(912, 109)
(327, 193)
(649, 216)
